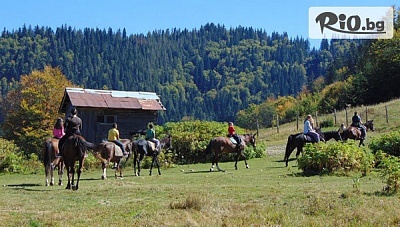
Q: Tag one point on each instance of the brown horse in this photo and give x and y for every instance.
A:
(142, 148)
(354, 133)
(50, 162)
(110, 152)
(74, 149)
(223, 145)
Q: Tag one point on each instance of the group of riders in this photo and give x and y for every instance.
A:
(310, 131)
(73, 126)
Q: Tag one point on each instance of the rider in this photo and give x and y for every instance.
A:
(151, 136)
(73, 126)
(232, 133)
(309, 130)
(58, 129)
(113, 136)
(356, 122)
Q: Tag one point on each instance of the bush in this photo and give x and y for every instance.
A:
(335, 157)
(391, 173)
(326, 123)
(190, 139)
(12, 159)
(388, 143)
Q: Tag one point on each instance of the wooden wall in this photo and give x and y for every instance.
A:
(95, 130)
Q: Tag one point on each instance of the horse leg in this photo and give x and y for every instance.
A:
(69, 174)
(216, 163)
(245, 160)
(51, 174)
(139, 162)
(104, 168)
(46, 173)
(158, 164)
(152, 164)
(60, 172)
(212, 164)
(79, 174)
(120, 169)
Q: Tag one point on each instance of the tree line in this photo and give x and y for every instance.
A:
(208, 73)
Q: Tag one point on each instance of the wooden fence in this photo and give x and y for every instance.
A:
(384, 113)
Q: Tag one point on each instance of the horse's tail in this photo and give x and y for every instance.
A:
(47, 153)
(84, 145)
(289, 149)
(209, 147)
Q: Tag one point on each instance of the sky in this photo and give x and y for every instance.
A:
(140, 17)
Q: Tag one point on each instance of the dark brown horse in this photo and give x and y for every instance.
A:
(142, 148)
(224, 145)
(110, 152)
(74, 149)
(50, 162)
(354, 133)
(297, 141)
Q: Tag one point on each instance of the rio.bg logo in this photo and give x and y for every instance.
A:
(350, 22)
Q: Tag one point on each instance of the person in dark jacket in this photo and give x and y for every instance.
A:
(72, 126)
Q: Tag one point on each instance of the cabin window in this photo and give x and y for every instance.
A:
(107, 119)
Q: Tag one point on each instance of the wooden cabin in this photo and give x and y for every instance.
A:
(99, 109)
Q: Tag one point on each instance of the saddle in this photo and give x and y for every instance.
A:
(152, 145)
(117, 149)
(232, 140)
(308, 138)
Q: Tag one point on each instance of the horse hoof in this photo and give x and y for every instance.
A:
(103, 178)
(247, 167)
(211, 169)
(52, 183)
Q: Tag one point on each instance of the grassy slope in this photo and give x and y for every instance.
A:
(190, 195)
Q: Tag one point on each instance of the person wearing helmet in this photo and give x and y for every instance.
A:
(72, 126)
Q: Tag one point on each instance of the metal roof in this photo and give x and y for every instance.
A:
(80, 97)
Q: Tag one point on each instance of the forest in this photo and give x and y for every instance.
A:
(209, 73)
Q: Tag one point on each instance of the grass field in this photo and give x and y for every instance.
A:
(267, 194)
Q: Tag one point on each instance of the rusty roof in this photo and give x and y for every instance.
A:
(80, 97)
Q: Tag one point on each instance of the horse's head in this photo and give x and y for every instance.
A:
(166, 143)
(250, 139)
(370, 125)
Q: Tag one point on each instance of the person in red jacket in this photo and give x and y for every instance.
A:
(232, 133)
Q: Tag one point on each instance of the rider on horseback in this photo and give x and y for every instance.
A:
(309, 130)
(72, 126)
(113, 136)
(356, 122)
(151, 136)
(58, 130)
(232, 133)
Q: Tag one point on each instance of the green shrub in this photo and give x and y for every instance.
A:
(190, 139)
(391, 173)
(335, 157)
(326, 123)
(388, 143)
(12, 159)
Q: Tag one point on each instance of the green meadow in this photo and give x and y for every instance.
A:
(266, 194)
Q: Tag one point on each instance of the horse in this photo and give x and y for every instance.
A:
(142, 148)
(74, 149)
(223, 145)
(354, 133)
(110, 152)
(331, 135)
(298, 141)
(49, 152)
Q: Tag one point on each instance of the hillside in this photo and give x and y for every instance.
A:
(209, 73)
